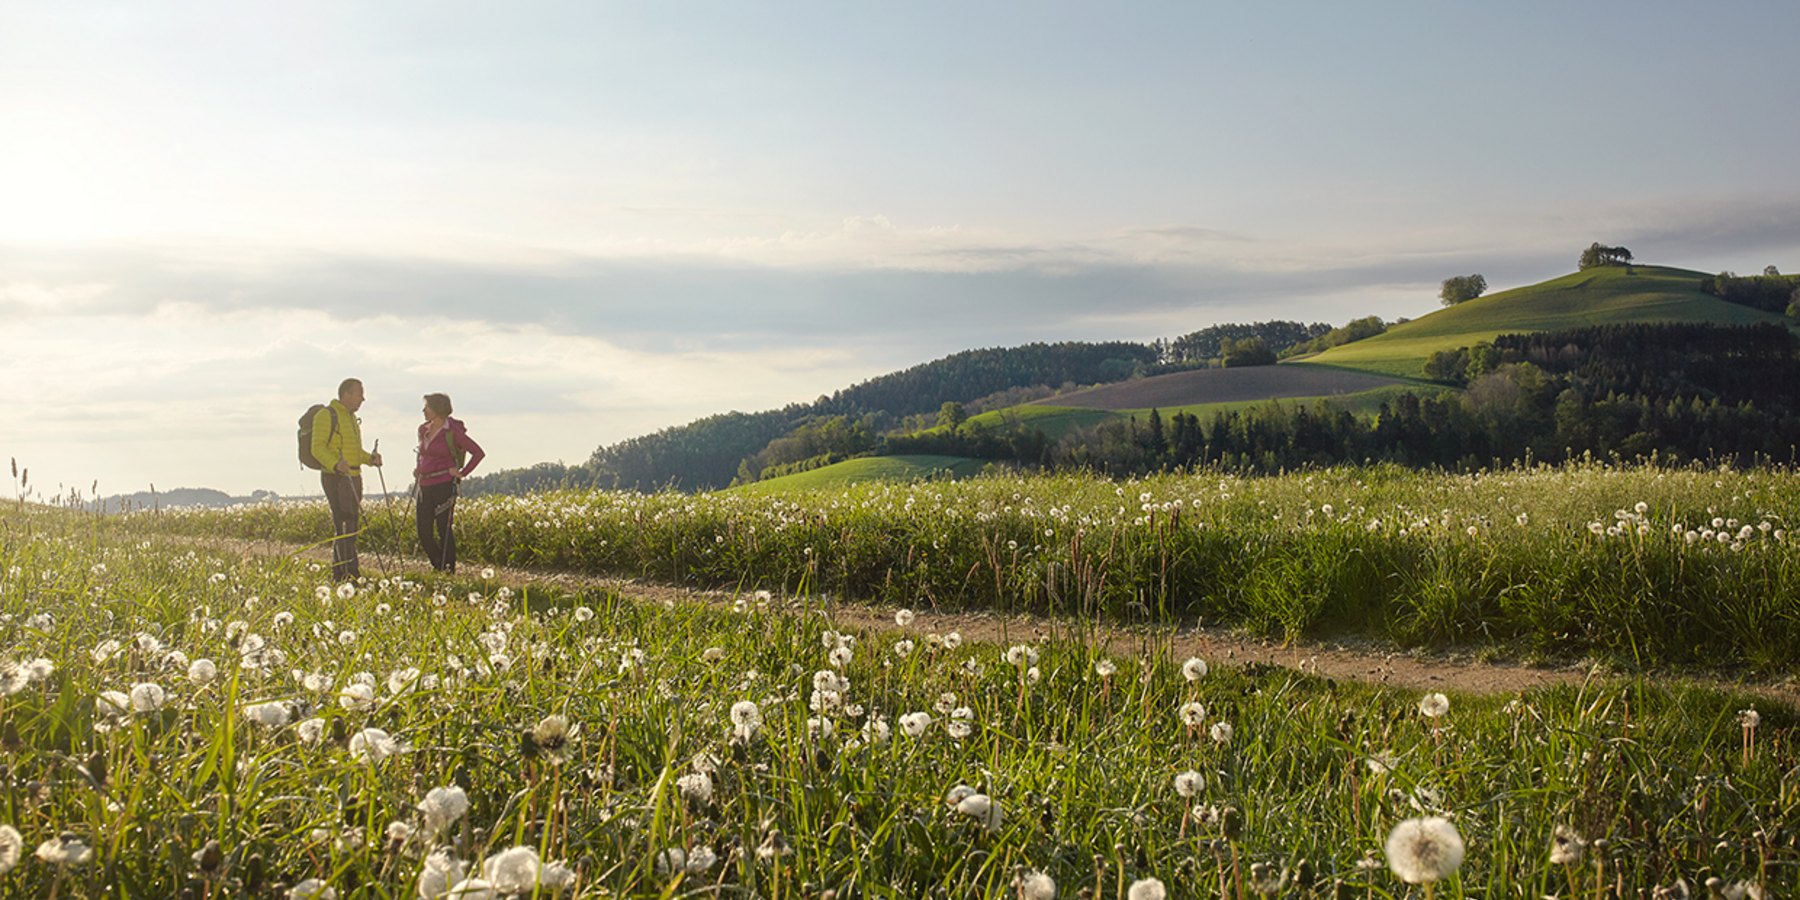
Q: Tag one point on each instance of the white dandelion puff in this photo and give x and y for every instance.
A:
(1425, 850)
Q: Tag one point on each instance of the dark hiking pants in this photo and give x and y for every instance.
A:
(437, 506)
(344, 493)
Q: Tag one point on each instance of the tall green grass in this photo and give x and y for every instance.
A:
(1664, 785)
(1556, 562)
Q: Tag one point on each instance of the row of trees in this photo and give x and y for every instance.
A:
(1771, 291)
(1209, 346)
(1681, 391)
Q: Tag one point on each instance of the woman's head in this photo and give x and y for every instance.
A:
(438, 405)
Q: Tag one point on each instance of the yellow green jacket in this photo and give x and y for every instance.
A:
(345, 443)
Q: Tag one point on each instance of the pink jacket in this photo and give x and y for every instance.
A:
(436, 466)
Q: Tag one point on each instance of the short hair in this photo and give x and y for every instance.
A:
(439, 403)
(348, 383)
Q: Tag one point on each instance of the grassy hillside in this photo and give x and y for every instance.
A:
(1599, 296)
(869, 468)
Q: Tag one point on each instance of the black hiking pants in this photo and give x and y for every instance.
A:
(437, 506)
(344, 493)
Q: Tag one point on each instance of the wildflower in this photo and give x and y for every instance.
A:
(903, 618)
(106, 650)
(1192, 714)
(1381, 763)
(402, 680)
(312, 888)
(1221, 732)
(876, 731)
(12, 845)
(903, 648)
(441, 871)
(553, 737)
(952, 640)
(1422, 851)
(915, 723)
(1189, 783)
(516, 870)
(1749, 718)
(346, 590)
(487, 574)
(1105, 668)
(1035, 885)
(202, 672)
(981, 808)
(773, 847)
(1194, 669)
(147, 697)
(1433, 706)
(441, 808)
(357, 697)
(1147, 889)
(372, 745)
(746, 719)
(1021, 655)
(111, 705)
(310, 731)
(583, 614)
(1565, 846)
(696, 788)
(960, 725)
(65, 850)
(712, 654)
(839, 657)
(1744, 890)
(272, 714)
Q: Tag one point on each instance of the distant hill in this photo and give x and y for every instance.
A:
(706, 454)
(172, 499)
(1606, 295)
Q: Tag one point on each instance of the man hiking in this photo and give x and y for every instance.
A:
(337, 445)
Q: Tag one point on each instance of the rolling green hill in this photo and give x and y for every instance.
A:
(1598, 296)
(868, 468)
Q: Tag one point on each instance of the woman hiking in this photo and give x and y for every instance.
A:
(446, 456)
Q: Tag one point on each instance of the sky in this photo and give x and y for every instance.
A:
(588, 221)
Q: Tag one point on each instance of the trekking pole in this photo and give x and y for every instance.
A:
(387, 500)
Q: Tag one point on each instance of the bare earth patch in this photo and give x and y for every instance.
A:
(1352, 660)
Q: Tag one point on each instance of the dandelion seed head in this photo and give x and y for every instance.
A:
(1147, 889)
(1434, 705)
(1424, 850)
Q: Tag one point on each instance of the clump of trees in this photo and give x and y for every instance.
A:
(1353, 330)
(1599, 254)
(1462, 289)
(1248, 352)
(1207, 346)
(1770, 291)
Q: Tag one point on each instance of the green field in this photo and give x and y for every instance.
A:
(185, 722)
(868, 468)
(1058, 422)
(1601, 296)
(1640, 568)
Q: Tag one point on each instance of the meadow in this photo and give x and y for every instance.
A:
(180, 722)
(1639, 567)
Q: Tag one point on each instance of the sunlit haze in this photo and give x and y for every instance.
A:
(589, 221)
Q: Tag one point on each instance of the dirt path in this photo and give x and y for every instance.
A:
(1351, 661)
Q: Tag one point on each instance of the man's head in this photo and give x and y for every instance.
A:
(350, 393)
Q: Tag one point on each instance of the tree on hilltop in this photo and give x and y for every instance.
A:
(1599, 254)
(1461, 289)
